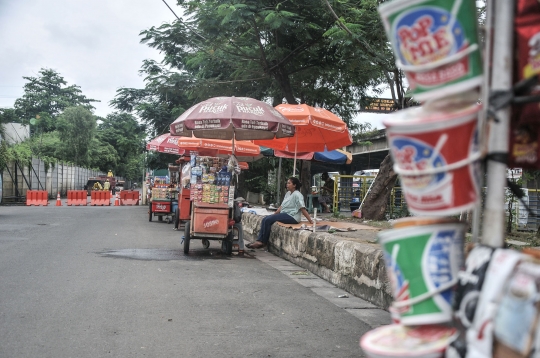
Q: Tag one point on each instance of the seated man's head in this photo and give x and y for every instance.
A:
(325, 176)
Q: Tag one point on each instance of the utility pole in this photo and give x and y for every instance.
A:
(501, 75)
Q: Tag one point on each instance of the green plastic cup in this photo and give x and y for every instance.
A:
(422, 264)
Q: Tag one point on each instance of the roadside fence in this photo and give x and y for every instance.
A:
(58, 177)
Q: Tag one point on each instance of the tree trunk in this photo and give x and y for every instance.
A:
(240, 189)
(305, 178)
(282, 77)
(374, 206)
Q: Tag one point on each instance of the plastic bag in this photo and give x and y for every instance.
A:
(232, 165)
(186, 175)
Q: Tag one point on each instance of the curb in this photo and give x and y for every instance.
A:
(355, 267)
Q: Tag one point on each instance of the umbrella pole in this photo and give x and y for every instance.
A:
(278, 182)
(295, 150)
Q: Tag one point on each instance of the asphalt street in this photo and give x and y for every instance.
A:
(106, 282)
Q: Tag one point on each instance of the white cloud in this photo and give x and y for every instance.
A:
(375, 119)
(93, 44)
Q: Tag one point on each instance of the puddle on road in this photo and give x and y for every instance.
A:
(168, 255)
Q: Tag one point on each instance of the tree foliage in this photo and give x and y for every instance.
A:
(261, 49)
(47, 96)
(64, 128)
(76, 128)
(123, 137)
(293, 51)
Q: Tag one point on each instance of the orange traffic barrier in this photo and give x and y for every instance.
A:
(58, 201)
(101, 198)
(116, 201)
(77, 198)
(37, 197)
(129, 197)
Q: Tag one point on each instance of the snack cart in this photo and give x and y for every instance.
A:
(212, 198)
(163, 200)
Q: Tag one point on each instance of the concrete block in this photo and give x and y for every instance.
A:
(356, 267)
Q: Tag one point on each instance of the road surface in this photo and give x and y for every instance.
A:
(105, 282)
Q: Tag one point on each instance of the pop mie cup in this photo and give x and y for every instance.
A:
(420, 221)
(436, 154)
(436, 45)
(422, 263)
(399, 341)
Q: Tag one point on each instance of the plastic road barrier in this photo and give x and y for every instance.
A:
(129, 197)
(77, 198)
(37, 198)
(100, 198)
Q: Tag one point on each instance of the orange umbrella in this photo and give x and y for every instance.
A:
(243, 165)
(317, 129)
(243, 150)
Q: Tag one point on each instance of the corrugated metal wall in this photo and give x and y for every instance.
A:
(57, 178)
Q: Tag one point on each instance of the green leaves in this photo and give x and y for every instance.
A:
(48, 95)
(76, 129)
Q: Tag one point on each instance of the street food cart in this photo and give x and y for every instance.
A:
(212, 198)
(163, 200)
(224, 118)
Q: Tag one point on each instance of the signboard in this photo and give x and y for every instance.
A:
(380, 105)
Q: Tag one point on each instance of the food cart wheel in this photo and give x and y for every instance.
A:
(150, 212)
(168, 220)
(187, 236)
(205, 243)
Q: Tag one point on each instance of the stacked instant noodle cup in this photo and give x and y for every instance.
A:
(436, 153)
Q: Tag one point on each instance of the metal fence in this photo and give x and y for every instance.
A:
(55, 178)
(527, 220)
(350, 190)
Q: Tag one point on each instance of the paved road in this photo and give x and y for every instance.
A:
(104, 282)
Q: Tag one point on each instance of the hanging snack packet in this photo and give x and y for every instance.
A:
(470, 282)
(525, 125)
(517, 315)
(526, 7)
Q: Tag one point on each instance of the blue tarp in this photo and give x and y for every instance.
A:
(333, 157)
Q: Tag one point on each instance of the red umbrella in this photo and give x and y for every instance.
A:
(240, 118)
(165, 143)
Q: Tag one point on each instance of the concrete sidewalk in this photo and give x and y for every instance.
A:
(350, 260)
(361, 309)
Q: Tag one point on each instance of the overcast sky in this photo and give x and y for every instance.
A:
(93, 44)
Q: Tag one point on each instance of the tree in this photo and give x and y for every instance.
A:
(280, 51)
(102, 155)
(274, 51)
(164, 98)
(125, 135)
(361, 25)
(76, 128)
(47, 96)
